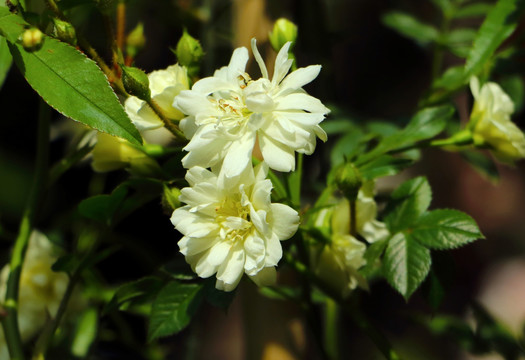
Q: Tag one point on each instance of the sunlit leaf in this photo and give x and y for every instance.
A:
(5, 60)
(406, 264)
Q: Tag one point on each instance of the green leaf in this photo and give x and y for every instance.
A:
(217, 298)
(69, 82)
(372, 255)
(446, 229)
(426, 124)
(482, 164)
(285, 293)
(408, 202)
(514, 87)
(406, 264)
(445, 6)
(338, 126)
(498, 25)
(346, 147)
(173, 309)
(102, 208)
(410, 27)
(134, 292)
(85, 333)
(474, 10)
(5, 60)
(384, 165)
(452, 79)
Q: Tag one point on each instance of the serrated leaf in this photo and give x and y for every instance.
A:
(68, 81)
(409, 26)
(406, 264)
(408, 202)
(482, 164)
(445, 229)
(384, 165)
(5, 60)
(173, 309)
(497, 26)
(426, 124)
(135, 291)
(473, 10)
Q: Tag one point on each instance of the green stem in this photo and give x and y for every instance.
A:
(10, 321)
(167, 122)
(462, 138)
(331, 333)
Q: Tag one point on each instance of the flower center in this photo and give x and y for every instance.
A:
(234, 219)
(232, 112)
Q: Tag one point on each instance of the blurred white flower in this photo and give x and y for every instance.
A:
(230, 229)
(338, 262)
(490, 122)
(164, 85)
(41, 289)
(228, 112)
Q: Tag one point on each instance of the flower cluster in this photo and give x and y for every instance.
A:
(229, 224)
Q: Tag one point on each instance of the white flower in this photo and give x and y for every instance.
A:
(490, 122)
(164, 86)
(41, 289)
(338, 262)
(234, 229)
(229, 112)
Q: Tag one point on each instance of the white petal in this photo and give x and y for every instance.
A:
(302, 118)
(203, 267)
(219, 252)
(261, 194)
(197, 175)
(284, 221)
(282, 64)
(274, 250)
(192, 246)
(230, 272)
(301, 77)
(211, 84)
(259, 59)
(193, 103)
(239, 156)
(237, 63)
(278, 156)
(298, 101)
(255, 253)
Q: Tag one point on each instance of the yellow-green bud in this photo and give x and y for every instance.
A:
(348, 179)
(135, 41)
(65, 31)
(189, 53)
(136, 82)
(170, 199)
(32, 39)
(283, 31)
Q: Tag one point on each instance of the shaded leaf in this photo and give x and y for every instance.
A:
(384, 165)
(85, 333)
(338, 126)
(135, 291)
(173, 309)
(497, 26)
(102, 208)
(372, 255)
(482, 164)
(409, 26)
(445, 229)
(5, 60)
(408, 202)
(514, 87)
(406, 264)
(346, 147)
(218, 298)
(68, 81)
(452, 79)
(473, 10)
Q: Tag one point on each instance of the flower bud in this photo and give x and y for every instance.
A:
(283, 31)
(348, 180)
(32, 39)
(65, 31)
(170, 199)
(136, 82)
(189, 53)
(135, 41)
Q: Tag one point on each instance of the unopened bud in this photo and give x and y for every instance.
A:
(65, 31)
(136, 82)
(189, 53)
(170, 199)
(135, 41)
(348, 180)
(32, 39)
(283, 31)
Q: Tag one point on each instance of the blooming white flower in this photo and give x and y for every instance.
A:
(41, 289)
(490, 122)
(164, 86)
(229, 112)
(231, 229)
(338, 262)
